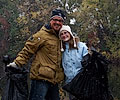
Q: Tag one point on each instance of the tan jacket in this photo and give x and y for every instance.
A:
(47, 61)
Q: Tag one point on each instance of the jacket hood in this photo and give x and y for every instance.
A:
(48, 29)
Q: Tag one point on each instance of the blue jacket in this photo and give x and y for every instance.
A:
(71, 60)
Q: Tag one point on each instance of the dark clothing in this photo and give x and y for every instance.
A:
(16, 87)
(43, 90)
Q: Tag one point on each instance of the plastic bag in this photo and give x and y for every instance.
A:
(91, 83)
(16, 87)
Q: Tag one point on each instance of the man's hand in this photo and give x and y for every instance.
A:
(12, 65)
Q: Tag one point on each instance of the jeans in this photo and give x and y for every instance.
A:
(43, 90)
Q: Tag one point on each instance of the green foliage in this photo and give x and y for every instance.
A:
(103, 18)
(1, 31)
(114, 81)
(8, 10)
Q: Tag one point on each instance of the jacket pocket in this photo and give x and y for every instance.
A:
(46, 72)
(59, 76)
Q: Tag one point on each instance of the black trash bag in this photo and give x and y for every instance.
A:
(16, 87)
(91, 83)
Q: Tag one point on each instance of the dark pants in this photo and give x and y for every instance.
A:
(43, 90)
(71, 97)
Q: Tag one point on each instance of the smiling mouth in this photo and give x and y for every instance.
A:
(65, 38)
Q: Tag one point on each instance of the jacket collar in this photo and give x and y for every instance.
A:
(48, 29)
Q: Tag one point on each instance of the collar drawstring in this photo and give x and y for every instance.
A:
(62, 46)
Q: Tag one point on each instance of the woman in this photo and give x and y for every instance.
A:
(73, 52)
(86, 74)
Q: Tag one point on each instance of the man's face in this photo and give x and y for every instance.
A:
(56, 23)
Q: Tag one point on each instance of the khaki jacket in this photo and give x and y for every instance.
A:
(46, 65)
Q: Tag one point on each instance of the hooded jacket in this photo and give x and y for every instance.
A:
(46, 65)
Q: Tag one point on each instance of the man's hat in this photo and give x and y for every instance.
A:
(58, 12)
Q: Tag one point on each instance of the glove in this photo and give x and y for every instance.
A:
(12, 65)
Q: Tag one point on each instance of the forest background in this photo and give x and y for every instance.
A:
(94, 21)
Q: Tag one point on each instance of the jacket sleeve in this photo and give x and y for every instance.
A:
(84, 50)
(31, 46)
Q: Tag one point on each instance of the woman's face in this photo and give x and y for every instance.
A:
(65, 35)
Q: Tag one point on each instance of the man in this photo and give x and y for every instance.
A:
(45, 72)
